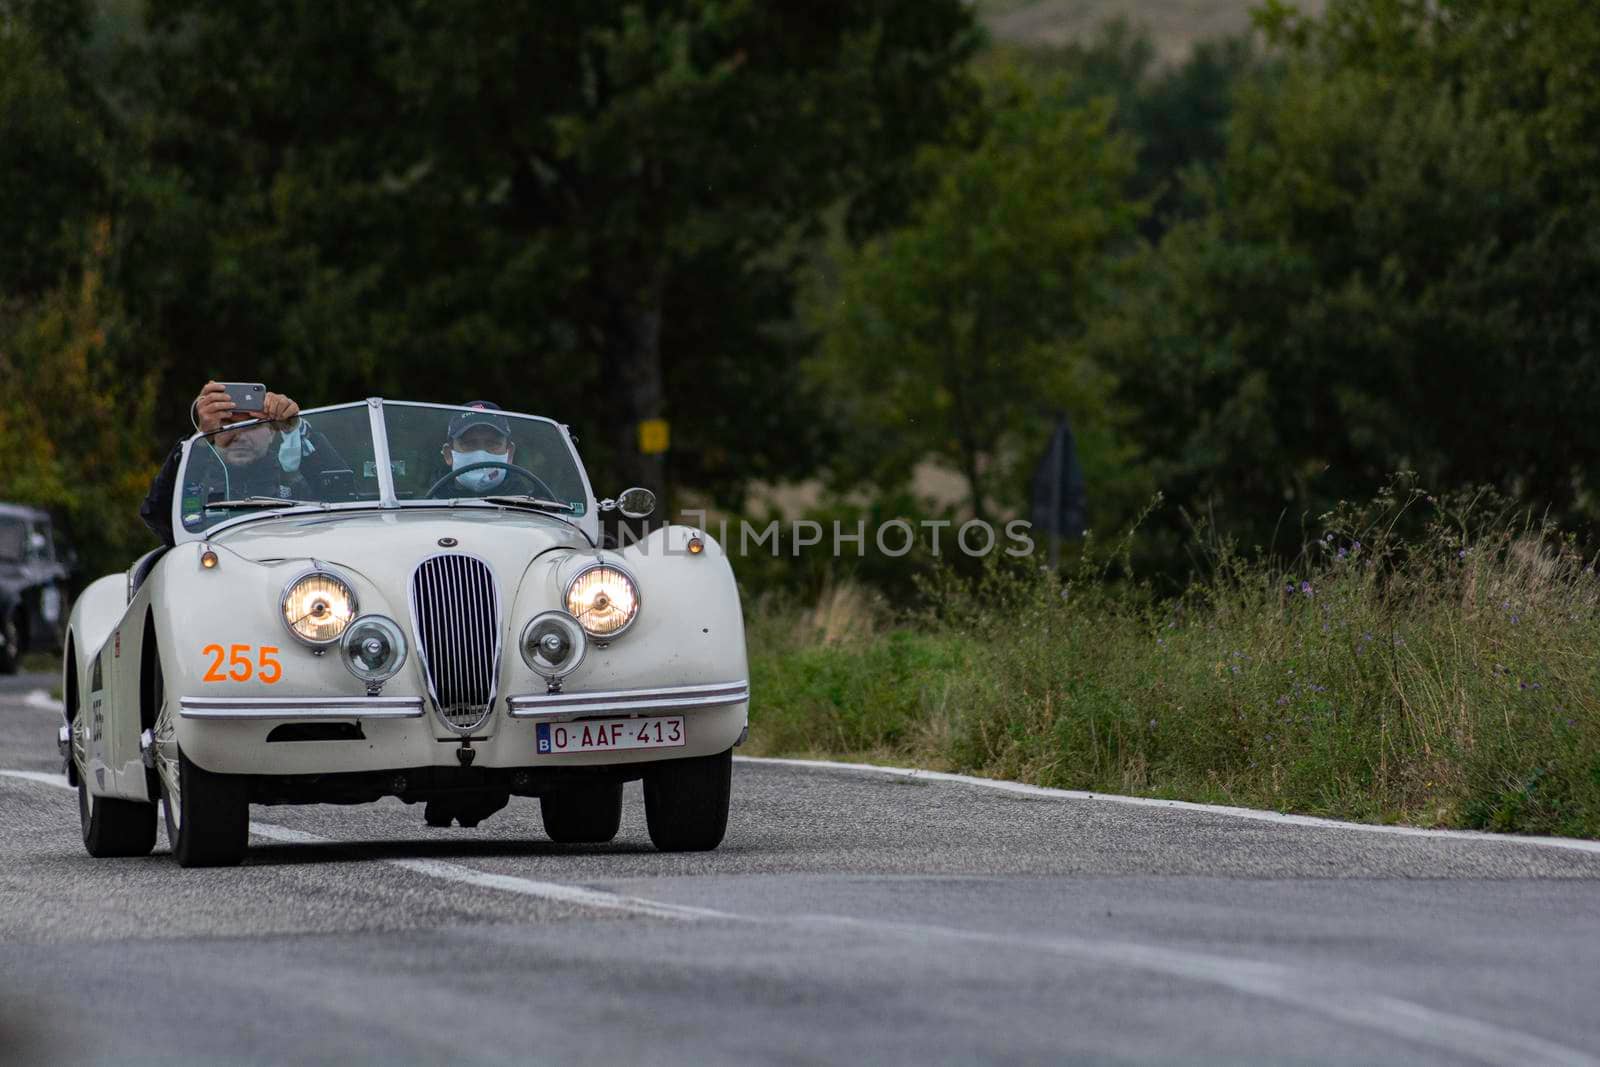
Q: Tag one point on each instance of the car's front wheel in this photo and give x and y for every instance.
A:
(686, 802)
(111, 827)
(208, 815)
(582, 815)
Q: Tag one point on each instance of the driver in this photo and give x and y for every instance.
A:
(478, 436)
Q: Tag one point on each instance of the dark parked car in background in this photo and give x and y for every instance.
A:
(34, 571)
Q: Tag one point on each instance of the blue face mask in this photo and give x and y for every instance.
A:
(478, 480)
(292, 448)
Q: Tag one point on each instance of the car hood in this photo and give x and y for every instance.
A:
(388, 544)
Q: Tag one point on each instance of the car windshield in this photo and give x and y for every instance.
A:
(327, 457)
(450, 453)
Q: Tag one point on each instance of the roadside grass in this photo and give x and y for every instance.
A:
(1424, 661)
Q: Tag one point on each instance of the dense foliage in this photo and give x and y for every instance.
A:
(1398, 267)
(1258, 281)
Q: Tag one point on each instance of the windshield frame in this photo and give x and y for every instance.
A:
(388, 500)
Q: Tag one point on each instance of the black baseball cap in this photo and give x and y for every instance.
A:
(480, 415)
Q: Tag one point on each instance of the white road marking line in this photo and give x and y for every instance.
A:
(453, 872)
(506, 883)
(1573, 843)
(1470, 1038)
(39, 698)
(47, 777)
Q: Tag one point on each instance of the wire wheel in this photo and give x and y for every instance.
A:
(166, 754)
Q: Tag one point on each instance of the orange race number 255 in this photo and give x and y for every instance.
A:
(243, 662)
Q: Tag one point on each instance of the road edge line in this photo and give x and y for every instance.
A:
(1575, 844)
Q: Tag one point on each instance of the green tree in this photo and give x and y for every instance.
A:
(1177, 114)
(574, 207)
(52, 157)
(75, 427)
(952, 336)
(1398, 268)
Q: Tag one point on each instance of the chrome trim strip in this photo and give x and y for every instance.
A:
(571, 705)
(300, 707)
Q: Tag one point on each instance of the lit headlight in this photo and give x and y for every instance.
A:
(317, 608)
(374, 648)
(603, 599)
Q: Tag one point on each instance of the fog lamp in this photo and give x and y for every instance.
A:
(374, 648)
(553, 644)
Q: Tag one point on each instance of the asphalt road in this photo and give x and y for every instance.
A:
(848, 917)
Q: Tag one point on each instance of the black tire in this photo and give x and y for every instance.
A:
(10, 642)
(115, 827)
(209, 825)
(686, 802)
(584, 815)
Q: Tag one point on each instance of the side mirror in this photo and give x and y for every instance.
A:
(635, 503)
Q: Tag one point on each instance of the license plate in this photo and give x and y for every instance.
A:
(610, 735)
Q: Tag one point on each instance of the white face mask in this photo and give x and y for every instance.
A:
(486, 478)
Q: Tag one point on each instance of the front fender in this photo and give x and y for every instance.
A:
(215, 626)
(690, 627)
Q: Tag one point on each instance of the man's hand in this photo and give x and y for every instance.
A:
(278, 408)
(213, 408)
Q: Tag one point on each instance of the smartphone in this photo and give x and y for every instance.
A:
(246, 396)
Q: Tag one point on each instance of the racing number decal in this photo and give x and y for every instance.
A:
(241, 667)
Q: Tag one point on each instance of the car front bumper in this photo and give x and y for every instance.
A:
(230, 735)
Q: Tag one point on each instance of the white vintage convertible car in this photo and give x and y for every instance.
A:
(347, 614)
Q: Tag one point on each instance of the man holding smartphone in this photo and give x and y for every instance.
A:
(248, 454)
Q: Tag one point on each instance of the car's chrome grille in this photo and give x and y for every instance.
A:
(455, 608)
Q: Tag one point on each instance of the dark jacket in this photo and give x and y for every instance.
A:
(260, 478)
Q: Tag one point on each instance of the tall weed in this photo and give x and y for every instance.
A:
(1423, 660)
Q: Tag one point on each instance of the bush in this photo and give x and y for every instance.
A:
(1424, 660)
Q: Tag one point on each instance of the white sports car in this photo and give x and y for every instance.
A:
(351, 612)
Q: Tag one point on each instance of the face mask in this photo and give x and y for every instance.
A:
(479, 479)
(291, 449)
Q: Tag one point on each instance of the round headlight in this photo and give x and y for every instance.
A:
(553, 644)
(374, 648)
(317, 607)
(603, 599)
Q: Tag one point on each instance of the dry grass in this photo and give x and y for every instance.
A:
(1443, 677)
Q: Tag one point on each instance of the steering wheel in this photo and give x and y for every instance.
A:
(531, 478)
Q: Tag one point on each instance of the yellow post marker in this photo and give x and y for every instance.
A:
(654, 437)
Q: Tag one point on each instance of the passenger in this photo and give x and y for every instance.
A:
(249, 464)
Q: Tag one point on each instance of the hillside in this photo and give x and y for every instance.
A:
(1174, 25)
